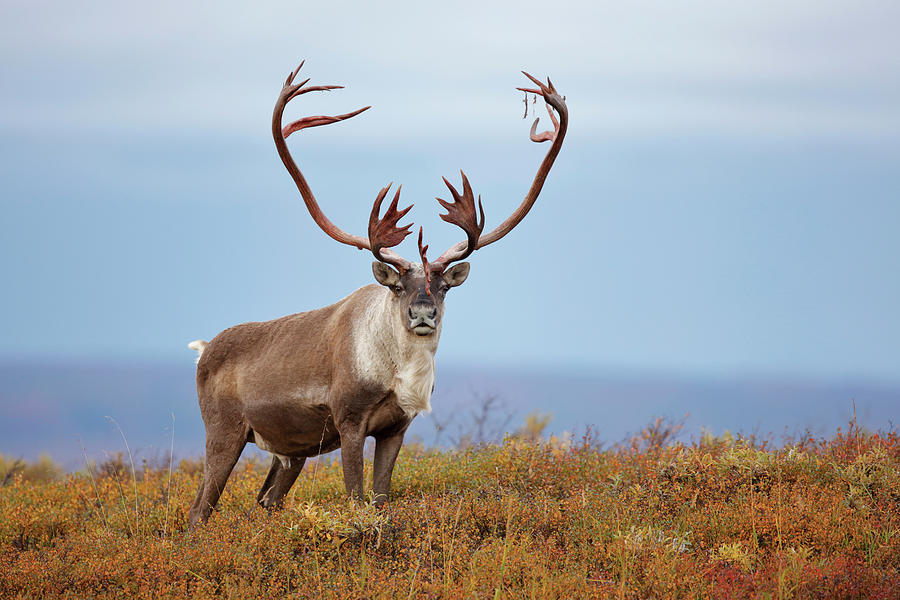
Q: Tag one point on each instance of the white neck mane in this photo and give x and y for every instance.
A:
(388, 353)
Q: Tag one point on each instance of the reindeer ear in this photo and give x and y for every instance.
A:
(456, 274)
(385, 274)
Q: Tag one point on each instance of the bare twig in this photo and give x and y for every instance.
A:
(90, 471)
(169, 484)
(133, 475)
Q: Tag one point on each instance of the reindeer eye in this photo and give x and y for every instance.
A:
(396, 288)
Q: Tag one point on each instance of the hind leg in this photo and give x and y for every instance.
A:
(279, 481)
(223, 449)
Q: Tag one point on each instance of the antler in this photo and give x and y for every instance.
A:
(461, 212)
(465, 248)
(428, 268)
(383, 233)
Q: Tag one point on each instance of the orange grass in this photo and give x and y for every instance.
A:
(722, 518)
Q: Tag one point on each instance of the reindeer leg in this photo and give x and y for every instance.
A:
(279, 481)
(353, 438)
(386, 451)
(222, 452)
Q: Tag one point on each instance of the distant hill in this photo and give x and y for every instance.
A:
(56, 407)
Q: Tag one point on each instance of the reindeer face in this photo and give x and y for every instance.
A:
(419, 303)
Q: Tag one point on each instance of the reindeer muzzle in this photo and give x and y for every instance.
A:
(423, 318)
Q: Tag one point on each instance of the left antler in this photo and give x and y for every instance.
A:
(383, 233)
(465, 214)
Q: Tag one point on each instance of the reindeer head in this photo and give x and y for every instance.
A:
(419, 299)
(418, 290)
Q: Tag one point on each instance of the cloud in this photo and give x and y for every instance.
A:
(765, 69)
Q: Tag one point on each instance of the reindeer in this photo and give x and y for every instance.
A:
(309, 383)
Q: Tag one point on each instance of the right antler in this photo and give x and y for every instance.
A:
(384, 233)
(465, 248)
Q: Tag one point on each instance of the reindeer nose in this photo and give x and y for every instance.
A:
(422, 310)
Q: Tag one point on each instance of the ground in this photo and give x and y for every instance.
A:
(720, 517)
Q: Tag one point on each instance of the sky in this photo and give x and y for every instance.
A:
(727, 201)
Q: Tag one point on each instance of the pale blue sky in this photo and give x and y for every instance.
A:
(727, 201)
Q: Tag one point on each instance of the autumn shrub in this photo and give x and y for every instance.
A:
(43, 470)
(722, 517)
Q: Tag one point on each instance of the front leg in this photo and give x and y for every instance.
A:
(386, 451)
(353, 438)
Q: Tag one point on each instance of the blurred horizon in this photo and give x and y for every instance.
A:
(87, 409)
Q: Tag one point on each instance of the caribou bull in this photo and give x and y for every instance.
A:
(310, 383)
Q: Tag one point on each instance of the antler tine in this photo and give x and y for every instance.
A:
(542, 89)
(461, 212)
(385, 233)
(289, 91)
(317, 121)
(544, 136)
(313, 88)
(423, 250)
(293, 74)
(550, 85)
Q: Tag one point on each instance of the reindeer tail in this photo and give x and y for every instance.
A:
(199, 346)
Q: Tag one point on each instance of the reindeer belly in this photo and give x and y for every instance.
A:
(291, 431)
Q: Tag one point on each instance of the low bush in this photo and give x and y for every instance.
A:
(721, 518)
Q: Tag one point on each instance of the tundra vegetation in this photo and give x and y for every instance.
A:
(531, 516)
